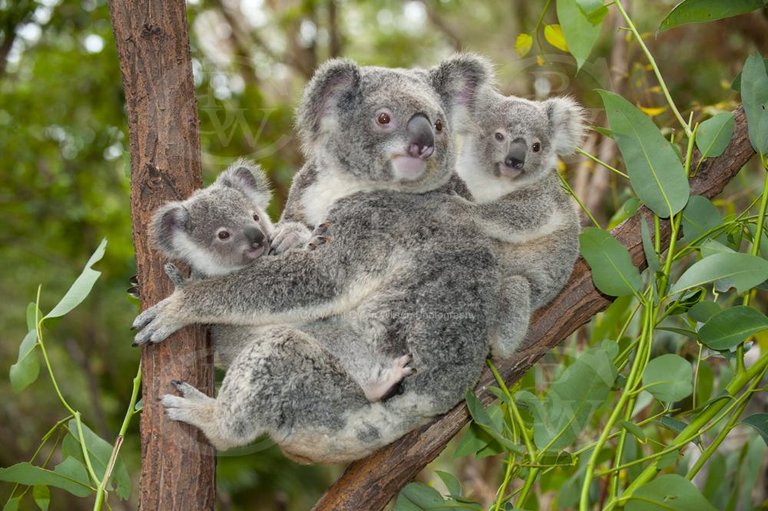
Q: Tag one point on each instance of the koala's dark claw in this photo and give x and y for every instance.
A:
(322, 228)
(133, 291)
(176, 383)
(134, 280)
(134, 343)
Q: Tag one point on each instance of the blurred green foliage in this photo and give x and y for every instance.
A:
(64, 177)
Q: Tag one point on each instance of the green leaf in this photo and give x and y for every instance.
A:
(668, 492)
(654, 169)
(27, 367)
(736, 83)
(648, 248)
(714, 135)
(701, 11)
(729, 328)
(673, 425)
(554, 36)
(82, 285)
(754, 95)
(668, 378)
(759, 421)
(699, 216)
(450, 482)
(471, 441)
(572, 399)
(626, 210)
(580, 29)
(634, 430)
(702, 311)
(612, 268)
(32, 313)
(742, 271)
(684, 303)
(418, 496)
(63, 476)
(595, 10)
(12, 504)
(42, 496)
(100, 451)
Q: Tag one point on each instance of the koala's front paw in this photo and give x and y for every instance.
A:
(387, 384)
(190, 408)
(289, 235)
(320, 236)
(159, 321)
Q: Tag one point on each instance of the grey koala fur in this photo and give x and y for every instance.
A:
(509, 165)
(225, 227)
(407, 271)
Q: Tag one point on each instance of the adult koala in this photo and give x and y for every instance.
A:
(407, 271)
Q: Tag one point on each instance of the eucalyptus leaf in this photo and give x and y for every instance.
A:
(702, 311)
(759, 422)
(754, 96)
(625, 211)
(31, 475)
(714, 135)
(742, 271)
(729, 328)
(612, 268)
(82, 285)
(702, 11)
(666, 492)
(634, 430)
(655, 170)
(27, 367)
(42, 496)
(417, 496)
(450, 482)
(648, 248)
(581, 29)
(669, 378)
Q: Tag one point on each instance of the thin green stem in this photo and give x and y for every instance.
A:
(656, 71)
(601, 162)
(570, 192)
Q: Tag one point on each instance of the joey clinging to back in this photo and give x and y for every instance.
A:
(359, 136)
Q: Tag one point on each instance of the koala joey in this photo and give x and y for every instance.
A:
(508, 164)
(225, 227)
(407, 271)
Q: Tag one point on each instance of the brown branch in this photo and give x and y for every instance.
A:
(377, 478)
(178, 465)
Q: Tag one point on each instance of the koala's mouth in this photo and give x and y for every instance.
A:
(507, 172)
(408, 168)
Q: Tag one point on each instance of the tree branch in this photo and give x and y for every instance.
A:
(378, 478)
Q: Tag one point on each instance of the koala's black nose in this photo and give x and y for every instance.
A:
(516, 155)
(422, 140)
(254, 235)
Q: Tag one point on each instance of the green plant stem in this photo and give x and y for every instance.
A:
(697, 424)
(656, 71)
(613, 485)
(72, 411)
(129, 413)
(601, 162)
(732, 420)
(570, 192)
(636, 371)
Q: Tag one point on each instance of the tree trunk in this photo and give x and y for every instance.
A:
(178, 465)
(378, 478)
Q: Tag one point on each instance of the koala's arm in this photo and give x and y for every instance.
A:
(297, 287)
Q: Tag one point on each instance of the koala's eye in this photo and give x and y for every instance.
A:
(256, 217)
(536, 147)
(439, 126)
(223, 234)
(383, 119)
(499, 136)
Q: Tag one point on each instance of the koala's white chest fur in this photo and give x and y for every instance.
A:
(555, 222)
(329, 187)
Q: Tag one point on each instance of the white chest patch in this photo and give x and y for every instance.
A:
(329, 187)
(554, 223)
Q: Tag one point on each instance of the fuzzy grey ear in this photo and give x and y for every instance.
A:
(249, 179)
(168, 222)
(566, 123)
(333, 86)
(459, 80)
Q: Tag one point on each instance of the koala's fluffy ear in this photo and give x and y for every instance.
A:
(566, 122)
(333, 84)
(459, 80)
(168, 222)
(249, 179)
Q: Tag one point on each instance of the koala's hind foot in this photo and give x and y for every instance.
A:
(289, 235)
(197, 409)
(387, 383)
(319, 236)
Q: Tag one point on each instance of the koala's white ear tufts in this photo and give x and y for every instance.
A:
(248, 178)
(566, 123)
(168, 222)
(459, 80)
(334, 83)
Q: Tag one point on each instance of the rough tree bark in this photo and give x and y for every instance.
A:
(377, 478)
(178, 465)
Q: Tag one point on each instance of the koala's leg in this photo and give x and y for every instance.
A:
(514, 316)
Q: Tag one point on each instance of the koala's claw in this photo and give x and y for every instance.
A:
(289, 235)
(317, 241)
(387, 384)
(188, 406)
(156, 323)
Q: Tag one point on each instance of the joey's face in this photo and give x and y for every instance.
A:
(397, 132)
(225, 233)
(516, 144)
